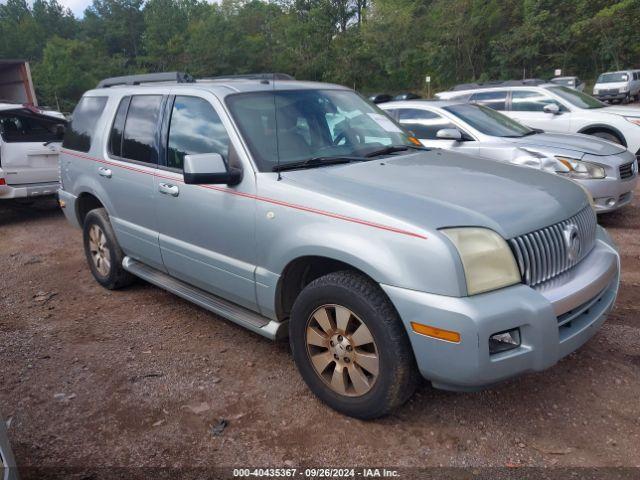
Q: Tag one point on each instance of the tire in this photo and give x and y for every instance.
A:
(607, 136)
(103, 253)
(626, 99)
(366, 304)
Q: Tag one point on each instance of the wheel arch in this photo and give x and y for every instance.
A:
(86, 202)
(601, 127)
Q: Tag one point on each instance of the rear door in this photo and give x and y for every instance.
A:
(128, 175)
(29, 147)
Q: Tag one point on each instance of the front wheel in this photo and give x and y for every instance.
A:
(607, 136)
(350, 346)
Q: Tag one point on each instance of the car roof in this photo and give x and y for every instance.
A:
(418, 102)
(222, 87)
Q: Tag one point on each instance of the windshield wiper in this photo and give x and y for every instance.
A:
(393, 149)
(317, 162)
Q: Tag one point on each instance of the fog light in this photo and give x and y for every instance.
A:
(503, 341)
(611, 202)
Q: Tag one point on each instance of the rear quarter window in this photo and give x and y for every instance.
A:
(81, 131)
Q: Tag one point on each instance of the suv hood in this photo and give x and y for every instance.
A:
(439, 189)
(576, 142)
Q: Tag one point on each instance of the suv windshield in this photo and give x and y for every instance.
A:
(488, 121)
(577, 98)
(297, 125)
(612, 77)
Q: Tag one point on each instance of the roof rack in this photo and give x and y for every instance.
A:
(499, 83)
(178, 77)
(253, 76)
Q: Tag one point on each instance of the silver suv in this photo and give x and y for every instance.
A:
(300, 209)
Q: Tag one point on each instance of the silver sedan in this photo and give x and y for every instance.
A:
(8, 469)
(607, 170)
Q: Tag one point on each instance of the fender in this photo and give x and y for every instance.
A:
(604, 126)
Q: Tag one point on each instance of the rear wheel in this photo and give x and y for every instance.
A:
(607, 136)
(350, 346)
(103, 253)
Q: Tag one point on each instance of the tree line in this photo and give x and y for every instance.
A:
(370, 45)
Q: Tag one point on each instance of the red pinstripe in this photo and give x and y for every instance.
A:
(254, 197)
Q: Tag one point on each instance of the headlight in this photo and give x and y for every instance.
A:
(579, 169)
(596, 91)
(486, 258)
(635, 120)
(624, 88)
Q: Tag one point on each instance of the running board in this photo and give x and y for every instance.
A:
(235, 313)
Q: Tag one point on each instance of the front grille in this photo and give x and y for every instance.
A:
(609, 91)
(627, 170)
(546, 253)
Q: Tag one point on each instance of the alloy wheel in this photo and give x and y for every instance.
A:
(99, 250)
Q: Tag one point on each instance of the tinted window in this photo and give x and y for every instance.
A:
(195, 128)
(115, 138)
(529, 101)
(495, 100)
(140, 129)
(25, 128)
(422, 123)
(83, 122)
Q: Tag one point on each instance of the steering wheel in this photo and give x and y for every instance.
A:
(350, 136)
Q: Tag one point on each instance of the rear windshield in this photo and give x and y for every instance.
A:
(83, 121)
(612, 78)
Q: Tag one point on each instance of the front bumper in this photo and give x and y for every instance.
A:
(611, 96)
(30, 190)
(610, 194)
(554, 320)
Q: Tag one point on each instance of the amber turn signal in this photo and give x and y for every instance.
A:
(434, 332)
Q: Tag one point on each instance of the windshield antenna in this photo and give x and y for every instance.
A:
(275, 118)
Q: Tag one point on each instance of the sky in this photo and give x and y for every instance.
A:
(78, 6)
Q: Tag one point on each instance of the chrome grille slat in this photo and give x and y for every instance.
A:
(626, 170)
(542, 255)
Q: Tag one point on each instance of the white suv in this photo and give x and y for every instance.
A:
(29, 143)
(556, 108)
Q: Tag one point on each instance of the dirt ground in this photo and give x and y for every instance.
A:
(139, 377)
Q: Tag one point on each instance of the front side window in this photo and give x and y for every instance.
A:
(495, 100)
(195, 128)
(83, 121)
(422, 123)
(287, 126)
(138, 141)
(530, 101)
(488, 121)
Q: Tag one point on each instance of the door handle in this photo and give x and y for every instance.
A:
(168, 189)
(104, 172)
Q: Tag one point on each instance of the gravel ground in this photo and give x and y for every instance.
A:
(92, 378)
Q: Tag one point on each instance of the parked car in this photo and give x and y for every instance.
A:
(571, 82)
(406, 96)
(556, 108)
(380, 98)
(622, 86)
(607, 170)
(9, 470)
(300, 209)
(29, 143)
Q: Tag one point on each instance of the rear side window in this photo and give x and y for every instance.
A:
(117, 129)
(83, 122)
(139, 137)
(495, 100)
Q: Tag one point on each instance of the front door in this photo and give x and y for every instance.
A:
(527, 107)
(207, 232)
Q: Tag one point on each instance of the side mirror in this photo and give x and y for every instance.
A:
(552, 108)
(449, 134)
(209, 168)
